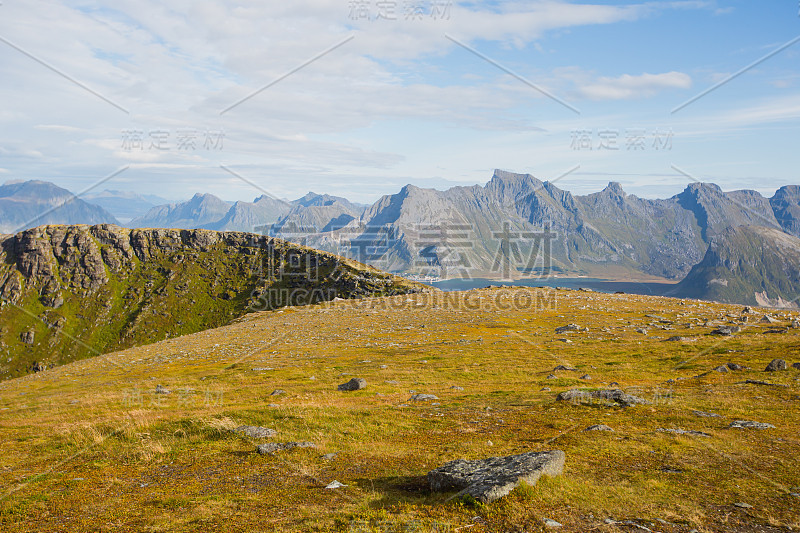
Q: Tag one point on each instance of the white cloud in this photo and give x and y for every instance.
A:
(629, 86)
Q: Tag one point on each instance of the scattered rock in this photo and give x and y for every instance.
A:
(722, 369)
(598, 427)
(734, 366)
(796, 366)
(423, 397)
(277, 392)
(586, 377)
(490, 479)
(256, 432)
(749, 424)
(775, 365)
(353, 384)
(272, 447)
(329, 456)
(546, 389)
(27, 336)
(160, 389)
(766, 319)
(726, 330)
(562, 367)
(675, 338)
(551, 523)
(743, 505)
(679, 431)
(706, 415)
(568, 328)
(747, 310)
(552, 376)
(334, 485)
(643, 331)
(38, 367)
(456, 388)
(615, 395)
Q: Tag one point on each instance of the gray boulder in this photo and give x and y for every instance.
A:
(490, 479)
(775, 365)
(353, 384)
(423, 397)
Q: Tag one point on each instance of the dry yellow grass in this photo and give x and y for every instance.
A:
(91, 447)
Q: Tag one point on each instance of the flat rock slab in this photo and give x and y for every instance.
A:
(749, 424)
(679, 431)
(256, 432)
(272, 447)
(490, 479)
(614, 395)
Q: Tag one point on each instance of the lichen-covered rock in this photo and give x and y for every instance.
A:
(490, 479)
(776, 365)
(271, 447)
(353, 385)
(256, 432)
(613, 395)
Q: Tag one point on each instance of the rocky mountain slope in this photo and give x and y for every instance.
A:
(73, 291)
(497, 230)
(747, 264)
(26, 204)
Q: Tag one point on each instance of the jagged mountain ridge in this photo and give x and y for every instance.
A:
(591, 234)
(73, 291)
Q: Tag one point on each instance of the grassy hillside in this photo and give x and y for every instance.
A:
(90, 446)
(70, 292)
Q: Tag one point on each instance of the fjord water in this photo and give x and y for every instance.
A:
(596, 284)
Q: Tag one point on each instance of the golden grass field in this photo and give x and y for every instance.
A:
(89, 446)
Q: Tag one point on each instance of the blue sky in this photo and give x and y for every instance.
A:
(424, 99)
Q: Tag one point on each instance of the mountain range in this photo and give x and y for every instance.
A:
(519, 226)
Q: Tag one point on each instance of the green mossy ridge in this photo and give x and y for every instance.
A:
(167, 284)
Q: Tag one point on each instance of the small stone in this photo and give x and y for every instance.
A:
(160, 389)
(552, 376)
(256, 432)
(562, 367)
(277, 392)
(598, 427)
(544, 389)
(775, 365)
(749, 424)
(353, 385)
(721, 369)
(423, 397)
(796, 366)
(766, 319)
(391, 382)
(743, 505)
(272, 447)
(706, 415)
(679, 431)
(384, 367)
(551, 523)
(568, 328)
(586, 377)
(734, 366)
(456, 388)
(334, 485)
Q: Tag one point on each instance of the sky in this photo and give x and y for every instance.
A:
(359, 97)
